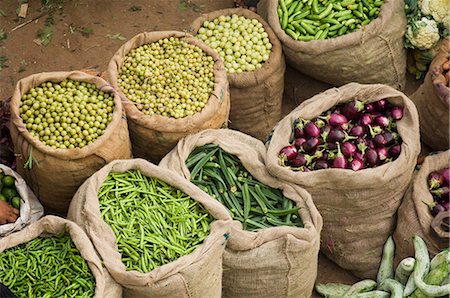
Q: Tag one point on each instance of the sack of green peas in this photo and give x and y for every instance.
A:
(172, 85)
(53, 257)
(64, 127)
(342, 41)
(255, 66)
(158, 234)
(273, 248)
(30, 210)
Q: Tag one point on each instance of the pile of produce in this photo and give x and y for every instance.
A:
(438, 183)
(8, 191)
(428, 23)
(223, 176)
(46, 267)
(242, 43)
(169, 77)
(322, 19)
(353, 136)
(154, 223)
(414, 277)
(66, 115)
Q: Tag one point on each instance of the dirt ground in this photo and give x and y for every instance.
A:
(71, 49)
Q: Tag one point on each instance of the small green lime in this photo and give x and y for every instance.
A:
(8, 181)
(15, 202)
(9, 193)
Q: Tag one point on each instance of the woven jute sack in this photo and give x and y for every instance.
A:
(198, 274)
(373, 54)
(30, 208)
(414, 216)
(358, 208)
(56, 174)
(50, 225)
(256, 96)
(153, 136)
(432, 100)
(273, 262)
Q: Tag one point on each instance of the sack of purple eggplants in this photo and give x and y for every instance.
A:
(172, 85)
(273, 249)
(15, 191)
(342, 42)
(426, 198)
(255, 66)
(65, 126)
(354, 149)
(158, 234)
(432, 100)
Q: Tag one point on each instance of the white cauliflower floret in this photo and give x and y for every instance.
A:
(438, 9)
(423, 34)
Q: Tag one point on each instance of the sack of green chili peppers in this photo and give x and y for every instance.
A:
(255, 66)
(172, 85)
(357, 167)
(425, 199)
(65, 126)
(158, 234)
(273, 252)
(19, 195)
(342, 41)
(53, 257)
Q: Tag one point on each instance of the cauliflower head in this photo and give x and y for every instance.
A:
(438, 9)
(423, 34)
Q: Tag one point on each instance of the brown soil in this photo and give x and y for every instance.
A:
(70, 50)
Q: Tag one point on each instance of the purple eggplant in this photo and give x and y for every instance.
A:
(382, 153)
(336, 135)
(379, 140)
(338, 120)
(395, 151)
(339, 161)
(366, 120)
(381, 105)
(299, 161)
(435, 180)
(321, 164)
(356, 165)
(382, 121)
(299, 133)
(441, 193)
(299, 142)
(348, 149)
(372, 157)
(437, 209)
(360, 156)
(352, 110)
(369, 107)
(358, 131)
(311, 145)
(331, 146)
(312, 130)
(396, 113)
(288, 153)
(446, 175)
(389, 137)
(325, 131)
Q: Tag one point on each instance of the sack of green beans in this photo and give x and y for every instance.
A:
(419, 208)
(432, 100)
(158, 234)
(255, 66)
(358, 203)
(53, 257)
(342, 41)
(64, 127)
(30, 210)
(273, 252)
(172, 85)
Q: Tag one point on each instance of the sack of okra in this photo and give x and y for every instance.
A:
(158, 234)
(339, 45)
(273, 252)
(53, 257)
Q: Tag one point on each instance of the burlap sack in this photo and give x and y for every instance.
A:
(198, 274)
(56, 174)
(414, 216)
(432, 100)
(154, 136)
(358, 208)
(256, 96)
(374, 54)
(105, 286)
(30, 208)
(273, 262)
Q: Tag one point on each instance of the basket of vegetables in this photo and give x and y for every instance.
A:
(154, 230)
(255, 66)
(64, 127)
(22, 205)
(53, 257)
(172, 85)
(354, 149)
(342, 41)
(426, 202)
(273, 251)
